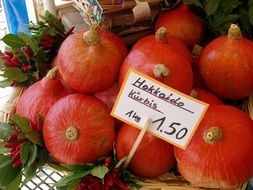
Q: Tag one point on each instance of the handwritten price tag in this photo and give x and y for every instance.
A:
(175, 116)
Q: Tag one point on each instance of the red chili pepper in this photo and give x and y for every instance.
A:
(13, 144)
(26, 68)
(80, 187)
(10, 62)
(16, 154)
(17, 163)
(13, 137)
(27, 50)
(108, 162)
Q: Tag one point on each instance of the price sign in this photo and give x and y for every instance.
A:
(175, 116)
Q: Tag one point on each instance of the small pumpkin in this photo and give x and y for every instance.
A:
(153, 56)
(226, 65)
(205, 96)
(78, 129)
(40, 96)
(219, 154)
(182, 23)
(153, 156)
(89, 61)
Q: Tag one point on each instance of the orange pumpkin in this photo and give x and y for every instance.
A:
(89, 61)
(219, 154)
(226, 65)
(153, 56)
(78, 129)
(182, 23)
(153, 156)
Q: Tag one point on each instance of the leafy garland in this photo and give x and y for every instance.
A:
(219, 14)
(29, 57)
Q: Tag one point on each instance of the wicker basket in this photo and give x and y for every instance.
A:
(118, 17)
(8, 100)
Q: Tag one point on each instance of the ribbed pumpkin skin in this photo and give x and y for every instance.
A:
(92, 119)
(152, 158)
(39, 97)
(182, 23)
(148, 52)
(225, 164)
(226, 66)
(90, 68)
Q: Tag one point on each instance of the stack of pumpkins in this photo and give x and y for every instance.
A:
(76, 97)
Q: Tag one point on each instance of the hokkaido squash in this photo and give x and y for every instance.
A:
(226, 65)
(89, 61)
(219, 154)
(78, 129)
(153, 56)
(153, 156)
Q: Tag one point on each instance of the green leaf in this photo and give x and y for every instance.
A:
(211, 6)
(35, 137)
(74, 184)
(15, 74)
(250, 3)
(4, 161)
(78, 167)
(57, 167)
(51, 19)
(30, 41)
(67, 180)
(42, 155)
(33, 155)
(6, 130)
(5, 83)
(3, 150)
(25, 151)
(14, 185)
(250, 12)
(22, 123)
(41, 55)
(100, 171)
(244, 19)
(29, 172)
(228, 6)
(13, 41)
(8, 174)
(229, 19)
(194, 2)
(2, 65)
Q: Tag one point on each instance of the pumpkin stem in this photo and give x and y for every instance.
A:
(196, 51)
(72, 133)
(92, 37)
(194, 94)
(161, 34)
(234, 32)
(52, 73)
(161, 71)
(213, 135)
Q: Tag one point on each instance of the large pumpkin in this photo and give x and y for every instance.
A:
(153, 56)
(78, 129)
(40, 96)
(182, 23)
(226, 65)
(153, 156)
(220, 152)
(89, 61)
